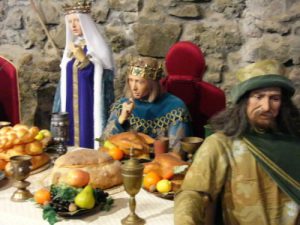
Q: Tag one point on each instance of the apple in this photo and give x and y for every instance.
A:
(77, 178)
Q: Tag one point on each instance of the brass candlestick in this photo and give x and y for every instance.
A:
(21, 167)
(132, 173)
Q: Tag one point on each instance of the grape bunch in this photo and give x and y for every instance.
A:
(62, 196)
(60, 205)
(100, 195)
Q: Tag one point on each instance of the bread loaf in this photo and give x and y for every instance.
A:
(22, 140)
(104, 171)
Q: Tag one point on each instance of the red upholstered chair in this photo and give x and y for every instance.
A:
(185, 65)
(9, 91)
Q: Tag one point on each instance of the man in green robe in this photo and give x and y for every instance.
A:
(251, 162)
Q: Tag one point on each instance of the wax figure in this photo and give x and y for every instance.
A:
(85, 90)
(146, 108)
(252, 160)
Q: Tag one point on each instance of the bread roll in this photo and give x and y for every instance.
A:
(104, 171)
(34, 148)
(39, 160)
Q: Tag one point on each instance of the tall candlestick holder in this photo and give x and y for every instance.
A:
(132, 173)
(59, 130)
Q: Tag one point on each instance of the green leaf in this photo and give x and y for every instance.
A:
(64, 192)
(50, 215)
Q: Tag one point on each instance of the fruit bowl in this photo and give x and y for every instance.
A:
(63, 202)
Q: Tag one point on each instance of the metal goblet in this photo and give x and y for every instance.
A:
(59, 130)
(20, 168)
(190, 145)
(132, 173)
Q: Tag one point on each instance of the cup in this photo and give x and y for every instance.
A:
(20, 168)
(161, 145)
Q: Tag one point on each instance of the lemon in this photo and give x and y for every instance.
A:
(164, 186)
(46, 133)
(39, 136)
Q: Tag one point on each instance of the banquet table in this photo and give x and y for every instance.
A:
(155, 210)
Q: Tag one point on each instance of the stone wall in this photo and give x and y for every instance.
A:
(231, 33)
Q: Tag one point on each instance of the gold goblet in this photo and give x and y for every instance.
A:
(132, 173)
(21, 167)
(190, 145)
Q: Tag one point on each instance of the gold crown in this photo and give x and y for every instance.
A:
(79, 6)
(146, 67)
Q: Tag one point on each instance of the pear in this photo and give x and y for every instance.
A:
(85, 199)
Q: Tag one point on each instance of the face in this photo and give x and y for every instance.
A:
(263, 107)
(74, 24)
(139, 86)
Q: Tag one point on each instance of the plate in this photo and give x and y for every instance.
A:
(41, 168)
(80, 212)
(169, 195)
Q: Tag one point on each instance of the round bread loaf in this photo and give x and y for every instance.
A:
(104, 171)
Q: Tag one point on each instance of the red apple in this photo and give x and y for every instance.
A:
(77, 178)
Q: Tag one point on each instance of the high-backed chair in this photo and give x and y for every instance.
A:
(9, 91)
(185, 66)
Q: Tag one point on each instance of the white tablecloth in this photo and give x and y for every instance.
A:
(155, 210)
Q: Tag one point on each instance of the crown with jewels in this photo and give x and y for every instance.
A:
(147, 68)
(79, 6)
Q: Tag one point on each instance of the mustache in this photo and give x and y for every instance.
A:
(260, 112)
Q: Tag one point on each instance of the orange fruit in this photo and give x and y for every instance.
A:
(150, 180)
(116, 153)
(42, 196)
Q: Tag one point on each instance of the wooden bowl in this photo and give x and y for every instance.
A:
(190, 144)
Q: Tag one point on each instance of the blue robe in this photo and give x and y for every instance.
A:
(85, 102)
(167, 116)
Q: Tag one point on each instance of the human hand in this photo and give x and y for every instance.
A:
(127, 108)
(77, 52)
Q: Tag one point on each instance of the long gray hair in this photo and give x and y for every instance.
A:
(233, 121)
